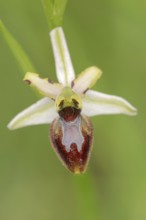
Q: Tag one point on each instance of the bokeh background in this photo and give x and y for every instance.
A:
(33, 183)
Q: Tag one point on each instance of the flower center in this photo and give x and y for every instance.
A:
(69, 113)
(68, 105)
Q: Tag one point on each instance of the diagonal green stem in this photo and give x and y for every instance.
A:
(16, 49)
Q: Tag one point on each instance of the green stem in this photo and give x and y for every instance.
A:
(54, 10)
(87, 199)
(17, 50)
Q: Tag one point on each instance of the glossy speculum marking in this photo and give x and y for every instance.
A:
(72, 136)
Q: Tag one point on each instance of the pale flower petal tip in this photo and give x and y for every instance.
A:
(11, 125)
(133, 111)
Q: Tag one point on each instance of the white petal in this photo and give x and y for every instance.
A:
(64, 67)
(96, 103)
(41, 112)
(86, 79)
(51, 90)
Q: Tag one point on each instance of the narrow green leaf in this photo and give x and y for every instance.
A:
(54, 10)
(16, 49)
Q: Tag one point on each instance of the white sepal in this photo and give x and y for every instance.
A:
(64, 68)
(96, 103)
(41, 112)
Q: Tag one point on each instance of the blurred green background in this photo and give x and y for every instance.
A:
(33, 183)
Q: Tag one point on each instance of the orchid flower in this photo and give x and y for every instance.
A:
(67, 106)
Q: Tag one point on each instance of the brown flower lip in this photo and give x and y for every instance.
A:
(71, 136)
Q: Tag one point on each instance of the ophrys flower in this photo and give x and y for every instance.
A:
(68, 105)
